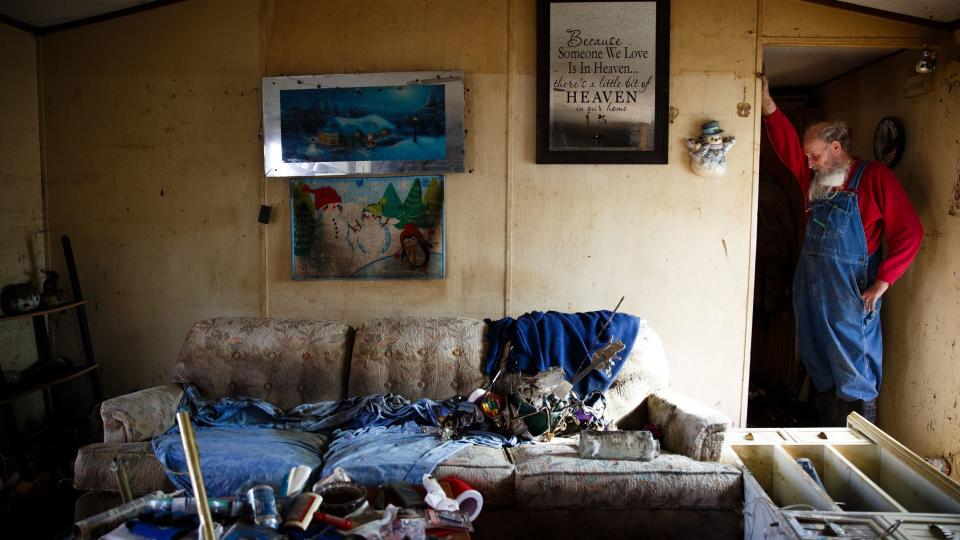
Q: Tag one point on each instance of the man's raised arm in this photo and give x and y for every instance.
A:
(786, 142)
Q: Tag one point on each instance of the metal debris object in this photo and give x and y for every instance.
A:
(119, 468)
(192, 453)
(832, 529)
(602, 360)
(631, 445)
(535, 389)
(104, 522)
(811, 471)
(939, 531)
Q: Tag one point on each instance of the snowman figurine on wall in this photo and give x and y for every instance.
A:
(708, 152)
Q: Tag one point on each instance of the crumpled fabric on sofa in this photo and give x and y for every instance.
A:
(401, 453)
(376, 439)
(232, 457)
(542, 340)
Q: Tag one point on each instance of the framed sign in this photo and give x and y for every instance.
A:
(602, 81)
(363, 124)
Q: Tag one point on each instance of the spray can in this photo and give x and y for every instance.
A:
(264, 505)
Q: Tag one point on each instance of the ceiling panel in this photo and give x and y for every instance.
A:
(934, 10)
(46, 13)
(810, 66)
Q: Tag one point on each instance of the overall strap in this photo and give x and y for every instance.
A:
(855, 181)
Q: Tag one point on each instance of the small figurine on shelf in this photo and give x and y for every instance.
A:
(19, 298)
(708, 152)
(52, 295)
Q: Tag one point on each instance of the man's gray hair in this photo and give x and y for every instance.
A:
(831, 131)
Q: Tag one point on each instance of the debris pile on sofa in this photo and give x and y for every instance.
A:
(561, 366)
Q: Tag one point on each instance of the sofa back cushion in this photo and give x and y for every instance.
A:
(646, 372)
(415, 357)
(285, 362)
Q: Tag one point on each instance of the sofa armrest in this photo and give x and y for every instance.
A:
(141, 415)
(689, 427)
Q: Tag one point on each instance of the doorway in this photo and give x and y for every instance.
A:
(779, 389)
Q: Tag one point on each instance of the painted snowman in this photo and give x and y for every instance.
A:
(332, 237)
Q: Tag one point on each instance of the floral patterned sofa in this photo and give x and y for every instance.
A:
(540, 489)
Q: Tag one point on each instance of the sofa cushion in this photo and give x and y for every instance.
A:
(91, 470)
(285, 362)
(689, 427)
(551, 475)
(485, 469)
(142, 415)
(436, 357)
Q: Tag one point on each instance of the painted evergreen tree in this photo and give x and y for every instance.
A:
(414, 211)
(390, 203)
(434, 201)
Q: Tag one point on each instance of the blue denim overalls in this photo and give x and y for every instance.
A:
(840, 343)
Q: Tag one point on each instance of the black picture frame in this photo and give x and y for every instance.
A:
(617, 95)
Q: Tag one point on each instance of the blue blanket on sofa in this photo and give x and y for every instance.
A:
(544, 340)
(376, 439)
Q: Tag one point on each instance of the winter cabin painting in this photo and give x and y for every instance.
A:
(367, 228)
(376, 123)
(366, 124)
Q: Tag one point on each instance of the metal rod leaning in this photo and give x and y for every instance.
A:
(119, 468)
(196, 478)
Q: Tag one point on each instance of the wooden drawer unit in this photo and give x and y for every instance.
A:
(862, 483)
(756, 436)
(825, 435)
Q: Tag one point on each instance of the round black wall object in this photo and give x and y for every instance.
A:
(889, 140)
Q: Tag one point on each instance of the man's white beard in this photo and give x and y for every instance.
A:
(825, 180)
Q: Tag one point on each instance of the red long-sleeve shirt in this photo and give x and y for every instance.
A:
(884, 206)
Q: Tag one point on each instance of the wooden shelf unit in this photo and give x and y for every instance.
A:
(48, 374)
(53, 309)
(12, 391)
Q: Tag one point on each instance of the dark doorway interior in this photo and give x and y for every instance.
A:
(779, 391)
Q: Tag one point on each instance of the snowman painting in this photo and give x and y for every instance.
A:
(361, 228)
(373, 237)
(708, 152)
(332, 235)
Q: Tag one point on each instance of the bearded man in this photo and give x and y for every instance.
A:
(851, 206)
